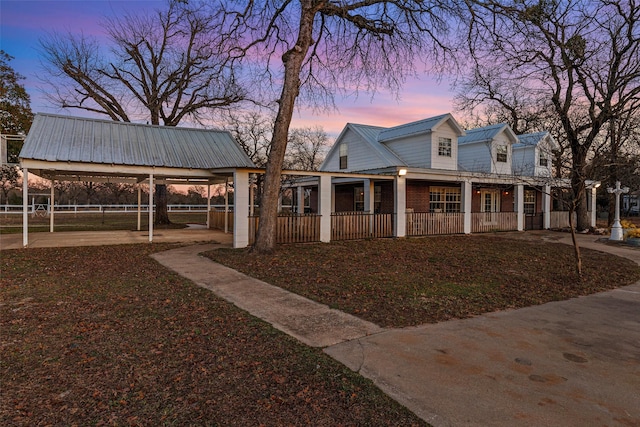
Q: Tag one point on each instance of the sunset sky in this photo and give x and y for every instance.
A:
(24, 22)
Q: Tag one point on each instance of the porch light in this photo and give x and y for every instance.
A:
(402, 172)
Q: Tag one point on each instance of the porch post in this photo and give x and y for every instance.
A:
(139, 205)
(594, 216)
(368, 195)
(208, 205)
(520, 206)
(240, 209)
(251, 198)
(226, 205)
(151, 208)
(25, 207)
(467, 194)
(51, 208)
(325, 191)
(299, 199)
(400, 206)
(546, 207)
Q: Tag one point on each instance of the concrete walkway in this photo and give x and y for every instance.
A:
(569, 363)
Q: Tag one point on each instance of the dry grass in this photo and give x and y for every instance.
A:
(413, 281)
(106, 336)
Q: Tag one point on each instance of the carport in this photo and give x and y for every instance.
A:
(65, 148)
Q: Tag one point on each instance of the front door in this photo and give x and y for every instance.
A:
(490, 204)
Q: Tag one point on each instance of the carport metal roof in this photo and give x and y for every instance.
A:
(84, 149)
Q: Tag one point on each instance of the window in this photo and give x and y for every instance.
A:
(444, 199)
(529, 202)
(501, 153)
(358, 198)
(543, 160)
(444, 147)
(343, 156)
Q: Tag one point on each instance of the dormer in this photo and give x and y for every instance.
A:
(430, 143)
(533, 154)
(487, 149)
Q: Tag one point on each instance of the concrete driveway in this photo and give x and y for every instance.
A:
(568, 363)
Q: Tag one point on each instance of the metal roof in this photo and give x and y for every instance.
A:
(417, 127)
(58, 138)
(486, 133)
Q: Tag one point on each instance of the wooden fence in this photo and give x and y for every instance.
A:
(560, 219)
(360, 225)
(216, 220)
(429, 224)
(484, 222)
(290, 228)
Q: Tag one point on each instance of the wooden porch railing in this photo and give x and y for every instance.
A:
(360, 225)
(216, 220)
(560, 219)
(484, 222)
(290, 228)
(429, 224)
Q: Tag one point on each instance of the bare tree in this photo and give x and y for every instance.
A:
(576, 63)
(325, 47)
(307, 148)
(161, 68)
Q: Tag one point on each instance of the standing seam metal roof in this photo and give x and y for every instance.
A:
(58, 138)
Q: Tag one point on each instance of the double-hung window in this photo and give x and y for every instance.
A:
(343, 156)
(444, 147)
(444, 199)
(501, 153)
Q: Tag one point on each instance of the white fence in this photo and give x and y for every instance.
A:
(79, 209)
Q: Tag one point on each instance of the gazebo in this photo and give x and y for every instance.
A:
(68, 148)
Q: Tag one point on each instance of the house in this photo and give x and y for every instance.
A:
(432, 177)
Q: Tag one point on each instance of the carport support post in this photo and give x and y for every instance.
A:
(325, 207)
(546, 207)
(139, 205)
(25, 204)
(208, 204)
(226, 205)
(51, 209)
(594, 216)
(240, 209)
(520, 206)
(150, 207)
(400, 205)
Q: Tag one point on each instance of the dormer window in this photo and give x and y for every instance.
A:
(501, 153)
(343, 156)
(543, 160)
(444, 147)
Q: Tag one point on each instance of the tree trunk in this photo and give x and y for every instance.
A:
(162, 212)
(579, 202)
(293, 59)
(576, 247)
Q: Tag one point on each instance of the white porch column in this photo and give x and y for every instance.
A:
(240, 209)
(520, 206)
(208, 205)
(251, 197)
(400, 206)
(594, 215)
(325, 206)
(546, 207)
(299, 199)
(51, 208)
(467, 195)
(226, 205)
(139, 206)
(25, 207)
(151, 208)
(369, 195)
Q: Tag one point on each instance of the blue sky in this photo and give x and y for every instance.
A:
(24, 22)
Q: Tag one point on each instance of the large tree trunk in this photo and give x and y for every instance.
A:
(578, 187)
(293, 59)
(162, 212)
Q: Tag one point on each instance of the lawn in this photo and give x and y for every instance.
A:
(106, 336)
(405, 282)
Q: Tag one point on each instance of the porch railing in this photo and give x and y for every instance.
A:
(560, 219)
(216, 220)
(428, 224)
(484, 222)
(360, 225)
(291, 228)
